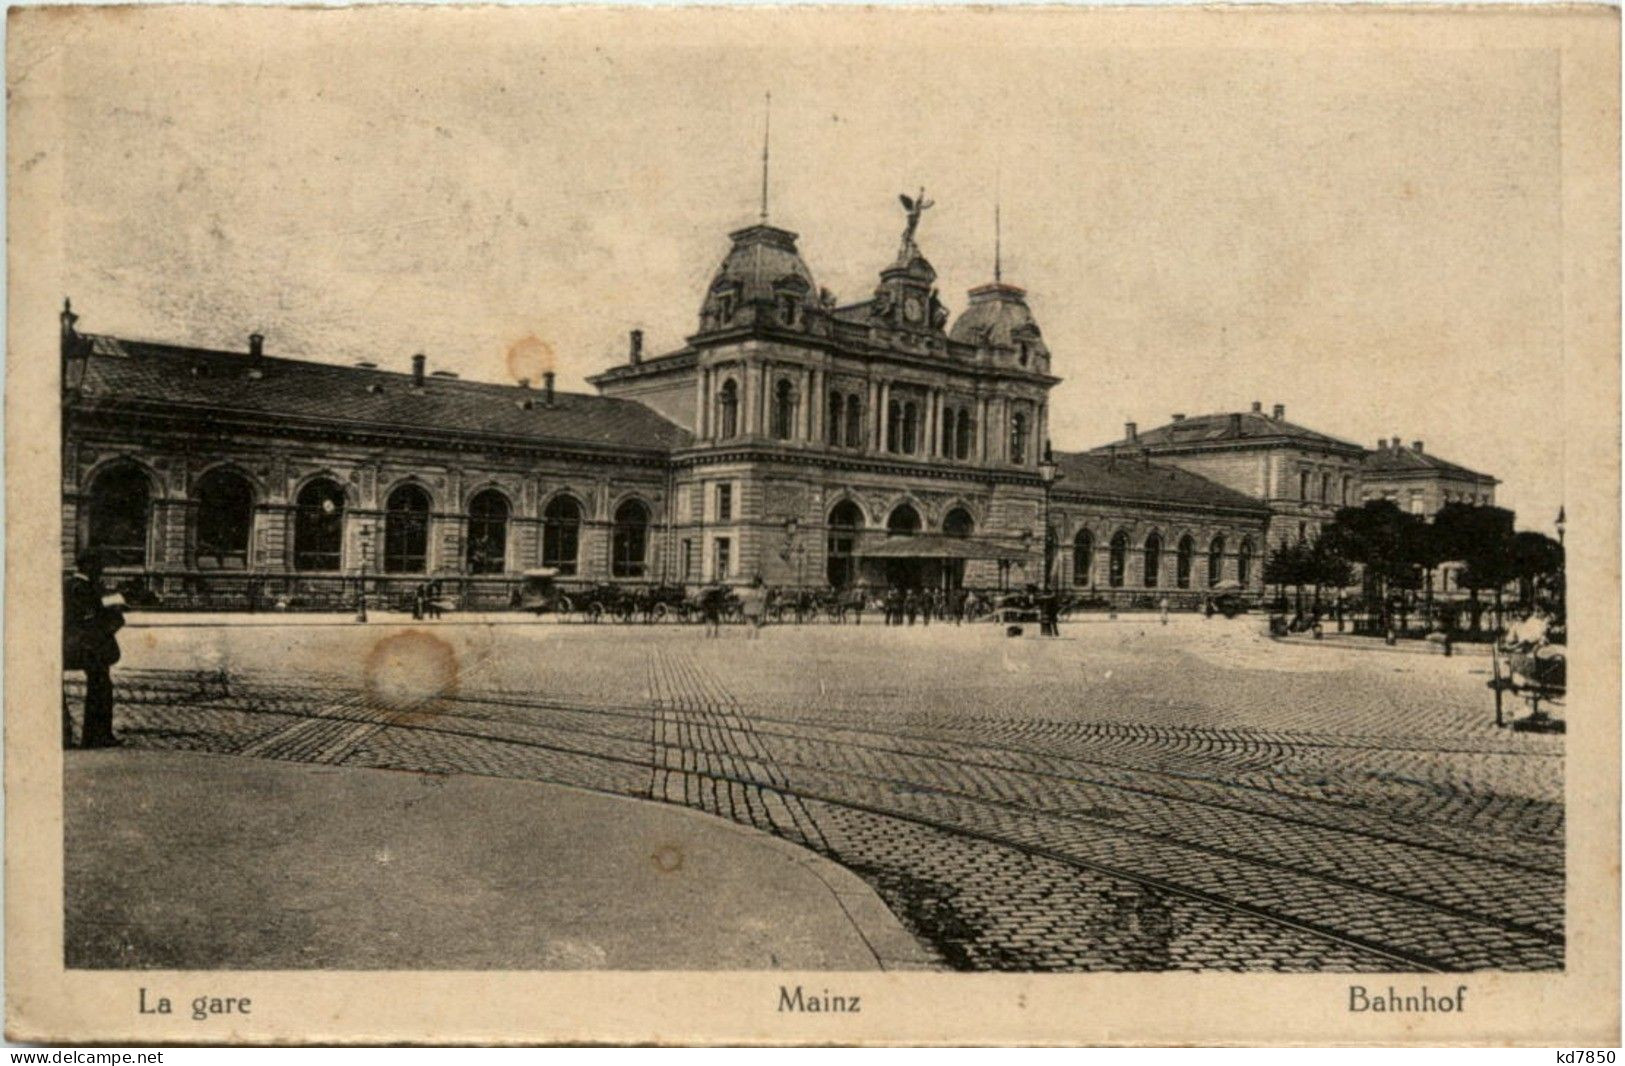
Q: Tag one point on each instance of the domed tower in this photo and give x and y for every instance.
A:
(763, 281)
(999, 322)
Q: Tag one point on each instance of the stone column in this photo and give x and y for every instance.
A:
(804, 424)
(871, 422)
(701, 394)
(885, 417)
(819, 404)
(981, 427)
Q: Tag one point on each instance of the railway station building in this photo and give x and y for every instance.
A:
(791, 437)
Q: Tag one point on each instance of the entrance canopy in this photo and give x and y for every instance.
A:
(937, 546)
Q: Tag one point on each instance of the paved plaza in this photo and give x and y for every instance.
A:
(1131, 796)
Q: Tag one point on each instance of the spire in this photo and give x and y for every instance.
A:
(998, 246)
(998, 230)
(767, 139)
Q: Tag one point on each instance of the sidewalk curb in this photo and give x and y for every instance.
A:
(1408, 647)
(893, 946)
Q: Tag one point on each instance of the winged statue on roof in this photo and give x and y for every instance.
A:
(915, 206)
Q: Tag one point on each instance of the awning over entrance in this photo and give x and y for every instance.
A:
(937, 546)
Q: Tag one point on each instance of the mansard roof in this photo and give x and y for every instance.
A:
(1135, 479)
(220, 384)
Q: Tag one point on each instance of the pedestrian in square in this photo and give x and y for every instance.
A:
(711, 610)
(753, 604)
(91, 619)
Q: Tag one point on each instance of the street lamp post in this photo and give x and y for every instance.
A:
(1049, 473)
(791, 525)
(365, 537)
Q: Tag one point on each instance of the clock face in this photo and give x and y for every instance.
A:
(912, 309)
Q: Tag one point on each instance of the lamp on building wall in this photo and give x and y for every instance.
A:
(1049, 473)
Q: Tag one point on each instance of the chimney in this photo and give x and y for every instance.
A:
(1280, 412)
(1131, 432)
(547, 388)
(256, 344)
(1382, 445)
(636, 355)
(1395, 444)
(1179, 417)
(1258, 408)
(417, 368)
(524, 383)
(1416, 446)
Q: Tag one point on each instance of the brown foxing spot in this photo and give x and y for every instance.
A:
(529, 358)
(668, 858)
(410, 670)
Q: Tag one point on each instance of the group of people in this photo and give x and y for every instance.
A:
(906, 606)
(426, 600)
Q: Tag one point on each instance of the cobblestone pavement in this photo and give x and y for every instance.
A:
(1129, 797)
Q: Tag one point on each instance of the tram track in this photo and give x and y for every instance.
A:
(712, 705)
(638, 716)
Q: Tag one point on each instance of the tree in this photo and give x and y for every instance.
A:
(1538, 565)
(1329, 564)
(1382, 539)
(1289, 564)
(1482, 538)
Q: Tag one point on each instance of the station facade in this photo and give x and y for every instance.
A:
(791, 438)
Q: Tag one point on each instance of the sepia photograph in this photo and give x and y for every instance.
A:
(791, 497)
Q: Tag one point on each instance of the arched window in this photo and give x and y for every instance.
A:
(947, 432)
(958, 523)
(119, 500)
(1083, 557)
(1183, 560)
(844, 522)
(837, 407)
(561, 534)
(488, 533)
(1119, 560)
(1303, 484)
(911, 428)
(629, 540)
(854, 421)
(962, 434)
(784, 410)
(225, 520)
(894, 425)
(1215, 561)
(406, 531)
(728, 409)
(1153, 560)
(1244, 563)
(903, 519)
(1018, 438)
(318, 526)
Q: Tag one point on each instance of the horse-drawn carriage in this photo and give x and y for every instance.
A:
(539, 593)
(1535, 670)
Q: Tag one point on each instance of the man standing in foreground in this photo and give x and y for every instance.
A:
(90, 620)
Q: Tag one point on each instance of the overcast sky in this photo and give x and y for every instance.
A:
(1369, 235)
